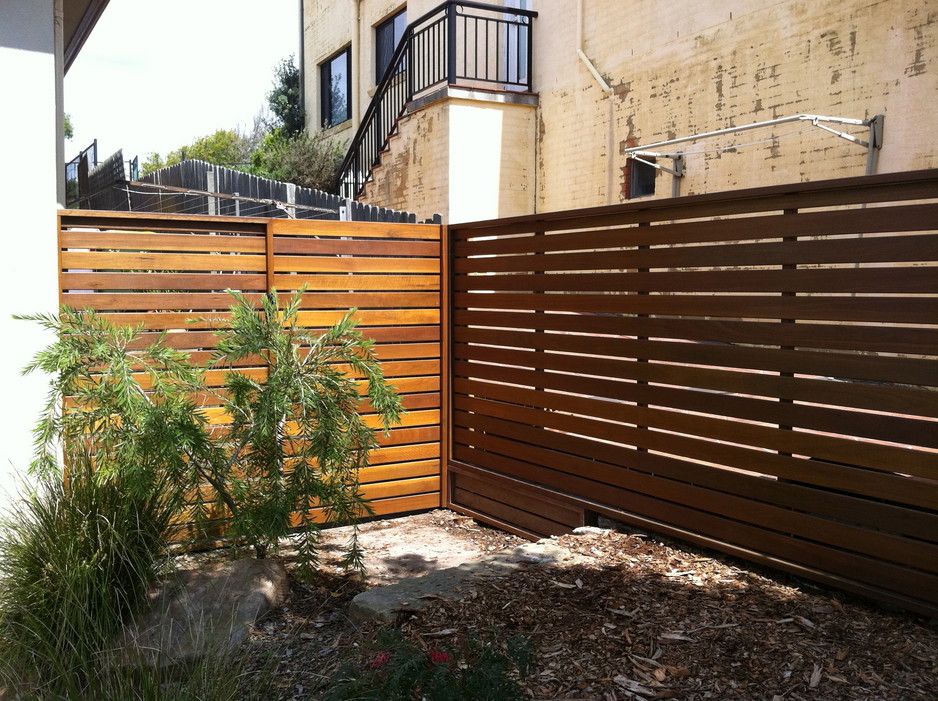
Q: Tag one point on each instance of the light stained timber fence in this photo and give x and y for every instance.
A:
(754, 371)
(161, 271)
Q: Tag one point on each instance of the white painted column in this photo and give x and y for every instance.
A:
(31, 183)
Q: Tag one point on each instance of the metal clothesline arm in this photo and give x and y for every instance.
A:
(814, 118)
(875, 125)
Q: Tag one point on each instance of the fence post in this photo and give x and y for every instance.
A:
(291, 199)
(345, 211)
(269, 253)
(210, 187)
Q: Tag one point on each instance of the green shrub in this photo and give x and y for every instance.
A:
(76, 562)
(295, 442)
(398, 670)
(307, 160)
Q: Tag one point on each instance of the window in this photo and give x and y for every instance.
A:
(387, 36)
(642, 178)
(335, 84)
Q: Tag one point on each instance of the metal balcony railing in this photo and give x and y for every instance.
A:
(470, 44)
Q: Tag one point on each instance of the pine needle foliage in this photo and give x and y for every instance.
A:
(297, 440)
(289, 457)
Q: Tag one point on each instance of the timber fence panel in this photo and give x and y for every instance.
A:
(163, 271)
(753, 371)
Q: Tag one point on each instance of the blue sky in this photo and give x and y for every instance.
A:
(157, 74)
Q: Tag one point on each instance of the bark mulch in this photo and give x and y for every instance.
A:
(643, 618)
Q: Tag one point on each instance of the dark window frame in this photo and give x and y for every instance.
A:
(642, 178)
(330, 117)
(388, 34)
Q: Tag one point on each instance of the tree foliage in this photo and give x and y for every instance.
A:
(309, 160)
(284, 99)
(278, 148)
(225, 147)
(295, 441)
(68, 127)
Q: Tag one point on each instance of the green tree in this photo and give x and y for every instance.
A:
(309, 160)
(284, 99)
(224, 147)
(69, 129)
(295, 442)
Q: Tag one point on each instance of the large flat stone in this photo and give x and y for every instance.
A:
(206, 611)
(411, 595)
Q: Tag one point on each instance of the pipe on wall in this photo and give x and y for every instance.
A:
(606, 88)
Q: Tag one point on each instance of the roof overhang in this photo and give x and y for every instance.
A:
(79, 18)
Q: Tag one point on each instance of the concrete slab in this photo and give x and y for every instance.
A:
(412, 595)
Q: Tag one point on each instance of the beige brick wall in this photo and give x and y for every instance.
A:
(331, 25)
(414, 172)
(674, 70)
(688, 67)
(464, 159)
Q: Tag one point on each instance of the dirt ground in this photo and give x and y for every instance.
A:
(643, 618)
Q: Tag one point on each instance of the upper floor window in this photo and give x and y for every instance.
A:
(387, 36)
(335, 84)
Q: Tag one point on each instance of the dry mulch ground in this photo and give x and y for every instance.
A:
(642, 618)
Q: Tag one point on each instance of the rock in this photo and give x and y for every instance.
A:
(204, 611)
(411, 595)
(589, 530)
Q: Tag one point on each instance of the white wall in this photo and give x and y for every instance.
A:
(30, 123)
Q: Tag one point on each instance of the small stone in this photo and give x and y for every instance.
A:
(589, 530)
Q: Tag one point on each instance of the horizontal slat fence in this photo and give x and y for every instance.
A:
(161, 271)
(754, 371)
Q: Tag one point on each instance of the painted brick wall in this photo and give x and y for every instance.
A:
(463, 159)
(681, 68)
(677, 69)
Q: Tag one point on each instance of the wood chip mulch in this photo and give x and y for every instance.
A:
(643, 619)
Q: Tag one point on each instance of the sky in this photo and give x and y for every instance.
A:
(156, 74)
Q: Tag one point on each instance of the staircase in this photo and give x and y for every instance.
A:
(467, 44)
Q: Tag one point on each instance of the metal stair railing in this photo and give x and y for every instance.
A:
(457, 43)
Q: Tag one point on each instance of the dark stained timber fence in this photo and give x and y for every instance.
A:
(162, 271)
(753, 371)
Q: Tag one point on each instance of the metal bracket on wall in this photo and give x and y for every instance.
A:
(873, 145)
(677, 161)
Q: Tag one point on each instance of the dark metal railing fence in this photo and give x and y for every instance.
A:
(458, 43)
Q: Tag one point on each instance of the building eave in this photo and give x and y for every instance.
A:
(80, 17)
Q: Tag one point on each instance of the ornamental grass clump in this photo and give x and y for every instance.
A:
(76, 562)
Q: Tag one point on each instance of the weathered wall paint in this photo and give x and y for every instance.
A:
(682, 68)
(674, 70)
(464, 159)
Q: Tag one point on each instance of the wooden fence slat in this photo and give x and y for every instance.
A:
(879, 249)
(160, 272)
(603, 460)
(900, 310)
(755, 370)
(916, 217)
(710, 344)
(902, 280)
(875, 397)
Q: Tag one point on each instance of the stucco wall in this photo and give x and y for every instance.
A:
(29, 183)
(682, 68)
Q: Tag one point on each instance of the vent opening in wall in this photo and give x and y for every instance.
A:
(641, 178)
